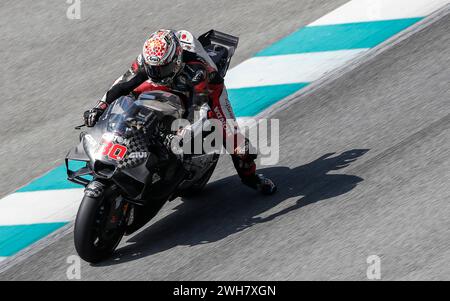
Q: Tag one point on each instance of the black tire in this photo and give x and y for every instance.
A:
(91, 242)
(200, 185)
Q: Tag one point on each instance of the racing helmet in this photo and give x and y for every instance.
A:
(162, 55)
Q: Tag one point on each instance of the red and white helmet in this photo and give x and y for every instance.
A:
(162, 55)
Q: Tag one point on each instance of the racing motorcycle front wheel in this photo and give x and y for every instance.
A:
(100, 225)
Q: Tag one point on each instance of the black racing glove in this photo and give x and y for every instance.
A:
(93, 115)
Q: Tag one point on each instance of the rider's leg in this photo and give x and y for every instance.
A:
(243, 160)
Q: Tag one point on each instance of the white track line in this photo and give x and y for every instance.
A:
(287, 69)
(376, 10)
(47, 206)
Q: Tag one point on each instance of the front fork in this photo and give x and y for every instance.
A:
(118, 211)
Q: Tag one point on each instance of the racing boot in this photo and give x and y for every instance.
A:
(246, 168)
(262, 184)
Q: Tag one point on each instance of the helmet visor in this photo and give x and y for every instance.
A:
(160, 73)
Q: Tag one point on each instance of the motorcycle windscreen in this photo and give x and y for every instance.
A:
(108, 143)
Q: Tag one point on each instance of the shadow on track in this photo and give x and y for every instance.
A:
(227, 207)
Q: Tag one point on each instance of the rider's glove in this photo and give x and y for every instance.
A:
(91, 116)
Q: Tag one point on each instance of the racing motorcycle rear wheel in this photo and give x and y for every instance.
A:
(99, 226)
(201, 183)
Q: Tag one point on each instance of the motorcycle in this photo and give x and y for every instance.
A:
(127, 170)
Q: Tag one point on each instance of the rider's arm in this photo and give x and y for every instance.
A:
(122, 86)
(200, 79)
(125, 84)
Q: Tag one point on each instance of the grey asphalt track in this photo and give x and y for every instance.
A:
(364, 170)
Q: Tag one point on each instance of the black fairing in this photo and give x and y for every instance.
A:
(120, 148)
